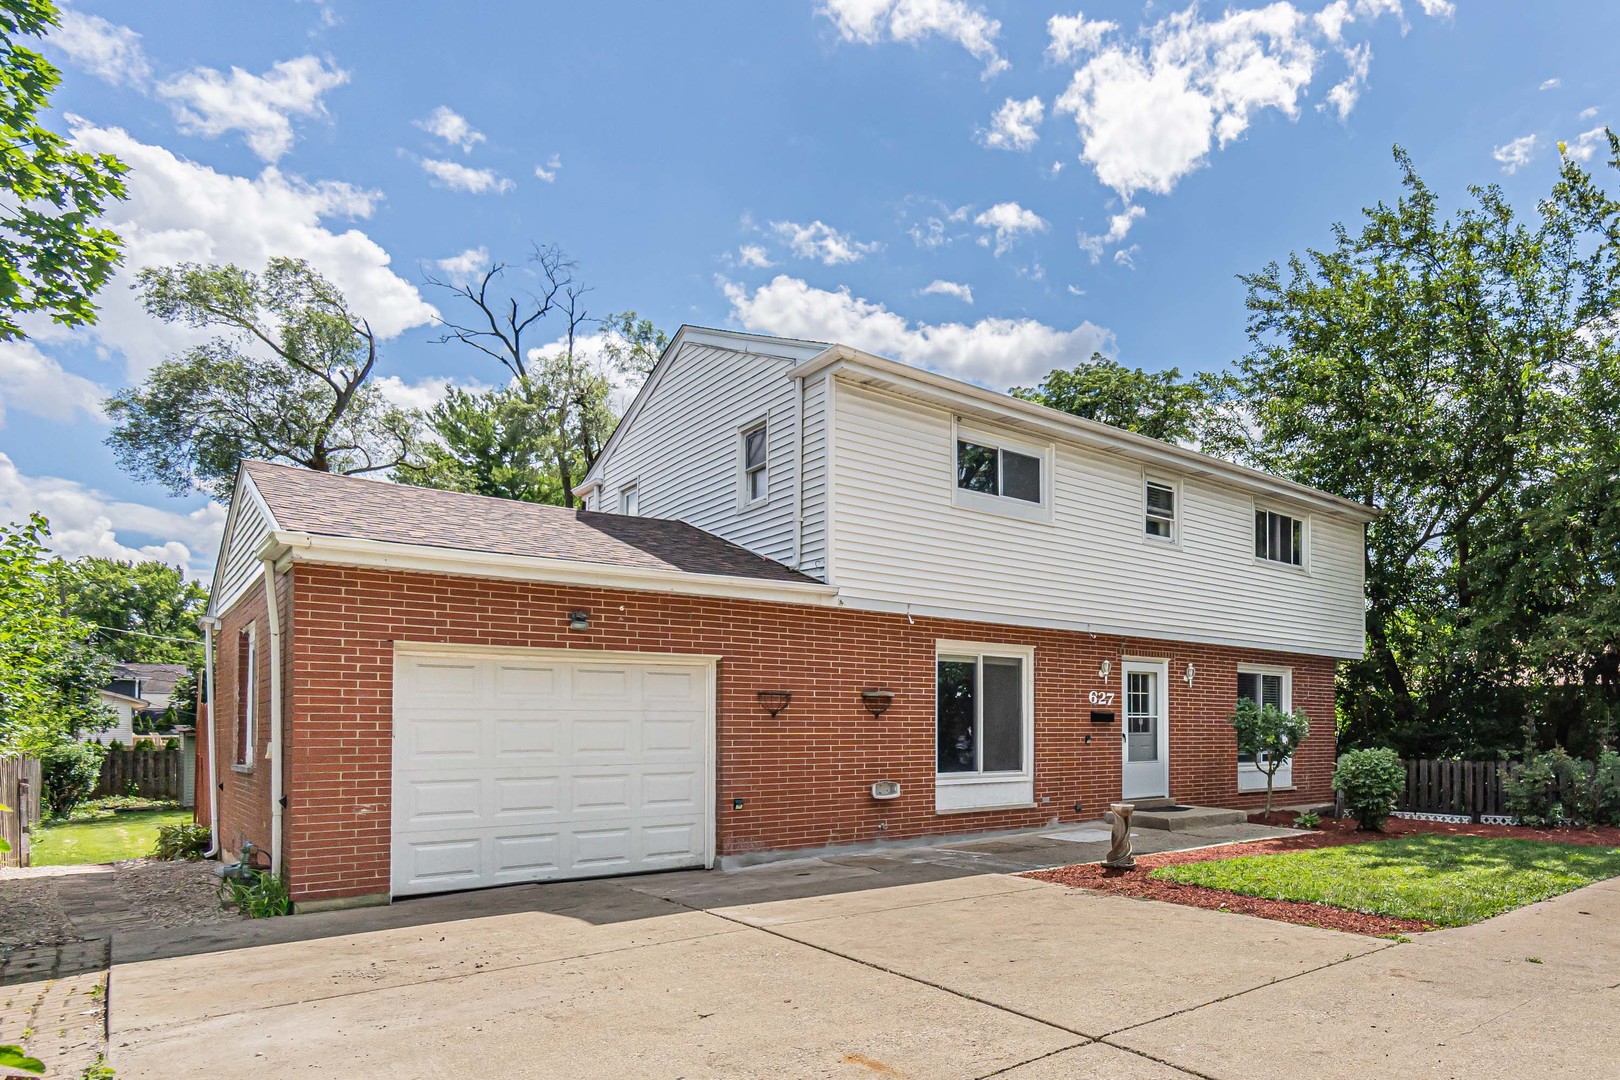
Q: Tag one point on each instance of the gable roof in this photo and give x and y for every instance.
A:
(155, 678)
(325, 504)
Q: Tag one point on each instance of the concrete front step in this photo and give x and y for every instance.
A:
(1180, 818)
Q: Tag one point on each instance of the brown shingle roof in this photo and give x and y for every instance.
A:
(329, 505)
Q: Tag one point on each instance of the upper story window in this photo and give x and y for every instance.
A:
(1160, 510)
(630, 500)
(1279, 538)
(994, 470)
(755, 463)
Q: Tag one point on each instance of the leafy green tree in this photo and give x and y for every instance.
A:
(289, 380)
(1457, 372)
(183, 701)
(50, 669)
(569, 381)
(53, 257)
(1158, 404)
(1271, 735)
(498, 443)
(139, 608)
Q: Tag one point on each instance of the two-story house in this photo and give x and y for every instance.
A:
(817, 599)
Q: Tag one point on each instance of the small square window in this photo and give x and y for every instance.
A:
(756, 461)
(1160, 520)
(1279, 538)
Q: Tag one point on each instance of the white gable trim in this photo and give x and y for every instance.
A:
(244, 493)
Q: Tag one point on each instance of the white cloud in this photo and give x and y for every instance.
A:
(1119, 225)
(180, 211)
(104, 49)
(1013, 126)
(85, 521)
(1439, 9)
(1332, 19)
(1586, 144)
(1342, 98)
(548, 171)
(1075, 290)
(872, 21)
(1587, 114)
(962, 292)
(447, 124)
(1516, 154)
(821, 242)
(1073, 35)
(1126, 257)
(1008, 221)
(1551, 84)
(424, 393)
(210, 104)
(463, 265)
(995, 352)
(36, 383)
(753, 255)
(459, 177)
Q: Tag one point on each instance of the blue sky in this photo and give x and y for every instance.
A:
(987, 188)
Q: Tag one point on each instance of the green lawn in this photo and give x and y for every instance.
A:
(129, 835)
(1445, 880)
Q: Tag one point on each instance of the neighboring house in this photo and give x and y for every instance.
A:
(137, 691)
(819, 598)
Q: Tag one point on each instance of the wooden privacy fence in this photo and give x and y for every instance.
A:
(19, 795)
(1464, 788)
(156, 774)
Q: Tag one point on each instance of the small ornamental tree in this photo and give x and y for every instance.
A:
(1271, 735)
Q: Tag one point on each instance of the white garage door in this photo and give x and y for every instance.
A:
(533, 767)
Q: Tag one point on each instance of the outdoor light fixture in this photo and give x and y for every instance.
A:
(1191, 671)
(877, 702)
(579, 620)
(1104, 669)
(774, 701)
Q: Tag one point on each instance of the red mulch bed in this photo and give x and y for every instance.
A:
(1334, 832)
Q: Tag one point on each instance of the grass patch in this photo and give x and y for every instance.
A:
(1439, 879)
(129, 835)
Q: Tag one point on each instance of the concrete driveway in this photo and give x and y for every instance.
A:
(880, 966)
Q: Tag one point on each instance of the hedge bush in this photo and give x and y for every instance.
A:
(69, 772)
(1371, 782)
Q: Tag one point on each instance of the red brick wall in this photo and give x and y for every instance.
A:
(244, 791)
(804, 777)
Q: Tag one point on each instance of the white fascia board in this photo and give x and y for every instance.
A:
(345, 551)
(791, 349)
(959, 396)
(244, 487)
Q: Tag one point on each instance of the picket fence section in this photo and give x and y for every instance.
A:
(19, 807)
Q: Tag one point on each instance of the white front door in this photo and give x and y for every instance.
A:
(524, 765)
(1145, 730)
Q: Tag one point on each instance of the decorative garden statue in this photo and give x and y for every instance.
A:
(1119, 852)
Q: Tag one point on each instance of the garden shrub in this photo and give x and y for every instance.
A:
(1370, 781)
(184, 841)
(1600, 795)
(69, 772)
(1309, 819)
(1546, 790)
(262, 895)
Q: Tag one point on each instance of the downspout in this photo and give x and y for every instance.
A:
(798, 474)
(273, 616)
(209, 625)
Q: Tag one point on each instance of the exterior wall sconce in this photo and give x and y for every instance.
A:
(877, 702)
(579, 620)
(1104, 668)
(1191, 671)
(774, 701)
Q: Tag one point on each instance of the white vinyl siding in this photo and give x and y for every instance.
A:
(901, 543)
(682, 448)
(239, 566)
(813, 498)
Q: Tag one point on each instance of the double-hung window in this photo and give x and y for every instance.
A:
(1264, 686)
(983, 725)
(755, 454)
(1279, 538)
(247, 692)
(1160, 510)
(630, 500)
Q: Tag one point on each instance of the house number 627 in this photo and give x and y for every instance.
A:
(1102, 697)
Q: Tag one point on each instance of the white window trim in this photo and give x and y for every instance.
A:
(632, 485)
(743, 431)
(250, 729)
(1304, 520)
(1001, 505)
(1249, 777)
(959, 792)
(1174, 539)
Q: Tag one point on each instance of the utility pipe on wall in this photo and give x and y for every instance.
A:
(209, 625)
(273, 615)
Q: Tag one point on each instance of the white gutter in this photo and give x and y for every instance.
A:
(346, 551)
(209, 624)
(273, 616)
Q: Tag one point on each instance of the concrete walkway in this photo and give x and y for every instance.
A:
(904, 964)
